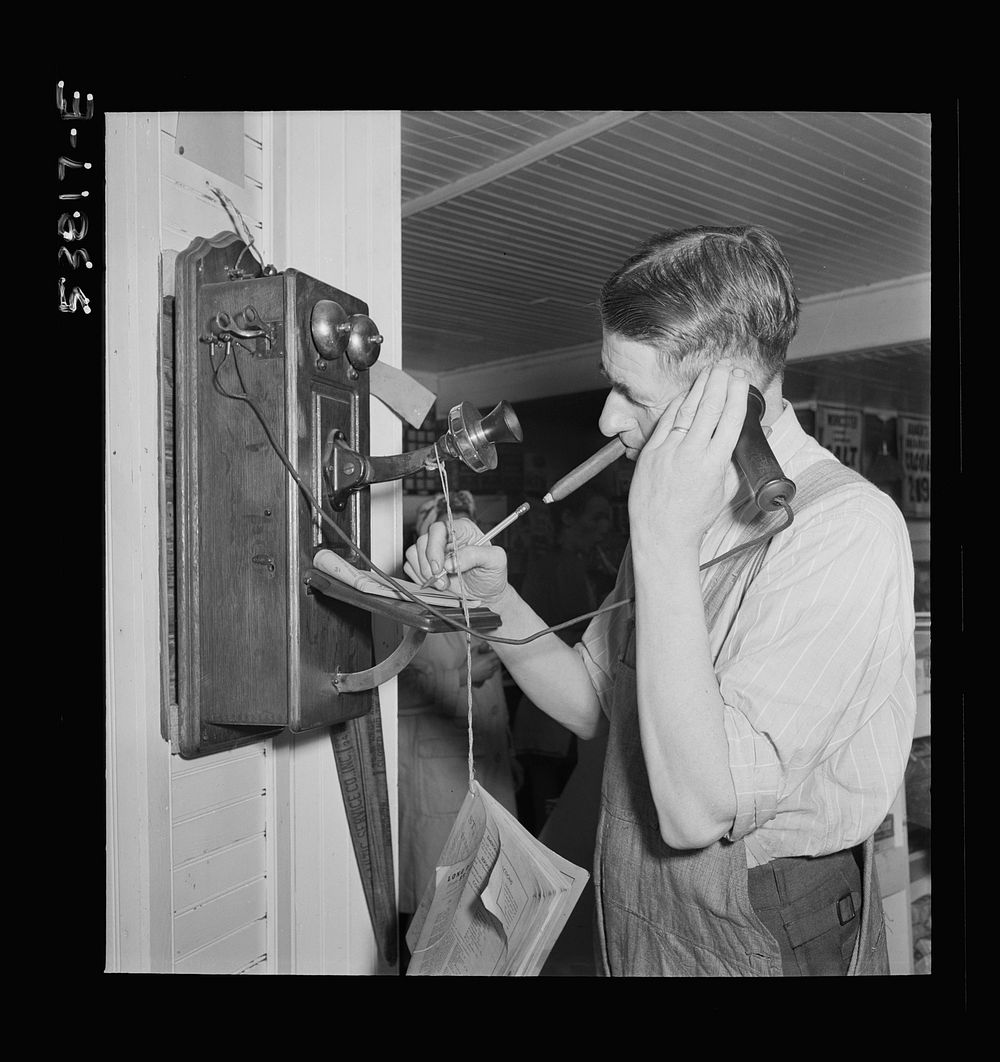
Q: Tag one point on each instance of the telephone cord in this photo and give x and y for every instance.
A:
(443, 475)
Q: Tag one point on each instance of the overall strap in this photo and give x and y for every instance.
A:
(819, 479)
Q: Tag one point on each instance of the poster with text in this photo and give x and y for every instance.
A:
(839, 428)
(915, 457)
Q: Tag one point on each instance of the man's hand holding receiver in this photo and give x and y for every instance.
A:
(685, 474)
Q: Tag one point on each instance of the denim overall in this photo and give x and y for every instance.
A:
(661, 911)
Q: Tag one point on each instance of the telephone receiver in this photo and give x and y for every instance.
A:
(755, 459)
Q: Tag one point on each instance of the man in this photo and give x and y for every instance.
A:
(761, 709)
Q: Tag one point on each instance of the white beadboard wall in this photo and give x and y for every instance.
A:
(335, 204)
(219, 862)
(240, 862)
(189, 207)
(219, 810)
(139, 926)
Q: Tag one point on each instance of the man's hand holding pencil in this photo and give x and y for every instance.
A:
(431, 562)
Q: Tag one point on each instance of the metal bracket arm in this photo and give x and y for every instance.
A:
(417, 621)
(391, 666)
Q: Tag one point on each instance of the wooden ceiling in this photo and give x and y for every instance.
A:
(513, 219)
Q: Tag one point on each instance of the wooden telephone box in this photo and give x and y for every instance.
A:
(254, 645)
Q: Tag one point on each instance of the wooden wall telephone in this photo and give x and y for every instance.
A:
(258, 649)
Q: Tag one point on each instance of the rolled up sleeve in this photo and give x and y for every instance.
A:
(756, 771)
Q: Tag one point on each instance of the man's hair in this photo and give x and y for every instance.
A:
(702, 293)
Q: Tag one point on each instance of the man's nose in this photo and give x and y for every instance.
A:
(613, 419)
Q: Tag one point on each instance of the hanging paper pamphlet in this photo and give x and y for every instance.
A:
(498, 901)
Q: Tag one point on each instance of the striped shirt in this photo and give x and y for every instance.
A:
(815, 664)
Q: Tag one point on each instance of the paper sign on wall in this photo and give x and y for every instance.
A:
(915, 457)
(839, 428)
(213, 140)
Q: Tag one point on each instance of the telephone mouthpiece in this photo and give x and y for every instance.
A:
(472, 438)
(501, 424)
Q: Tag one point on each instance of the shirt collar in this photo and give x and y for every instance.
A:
(786, 436)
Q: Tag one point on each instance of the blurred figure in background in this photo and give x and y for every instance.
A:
(434, 738)
(561, 584)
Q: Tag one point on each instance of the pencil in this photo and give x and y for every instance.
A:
(488, 537)
(586, 470)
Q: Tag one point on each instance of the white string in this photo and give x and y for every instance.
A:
(442, 473)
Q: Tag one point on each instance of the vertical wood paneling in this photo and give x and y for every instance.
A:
(336, 864)
(138, 836)
(219, 804)
(328, 170)
(373, 266)
(277, 185)
(322, 847)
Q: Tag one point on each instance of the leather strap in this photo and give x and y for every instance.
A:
(802, 930)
